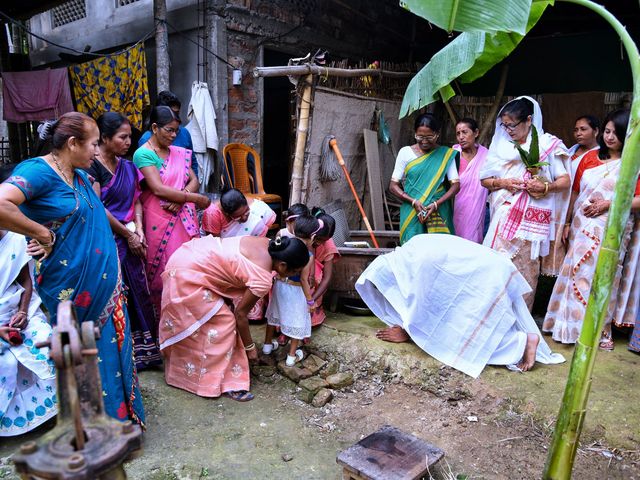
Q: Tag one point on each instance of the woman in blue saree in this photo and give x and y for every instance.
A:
(117, 183)
(50, 200)
(426, 179)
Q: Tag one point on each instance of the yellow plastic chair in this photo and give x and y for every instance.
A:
(243, 171)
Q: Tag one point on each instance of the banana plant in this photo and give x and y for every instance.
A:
(471, 54)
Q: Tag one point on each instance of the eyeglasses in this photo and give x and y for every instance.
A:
(510, 128)
(428, 138)
(170, 131)
(242, 216)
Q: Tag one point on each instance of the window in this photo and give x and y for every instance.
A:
(68, 12)
(122, 3)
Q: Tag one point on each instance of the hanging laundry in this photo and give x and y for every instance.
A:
(115, 83)
(202, 127)
(36, 95)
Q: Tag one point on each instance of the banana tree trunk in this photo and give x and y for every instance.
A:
(574, 402)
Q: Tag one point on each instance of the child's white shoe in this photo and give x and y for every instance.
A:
(267, 348)
(291, 360)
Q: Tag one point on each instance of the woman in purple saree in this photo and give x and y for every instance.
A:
(117, 183)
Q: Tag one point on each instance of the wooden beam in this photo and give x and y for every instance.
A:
(307, 69)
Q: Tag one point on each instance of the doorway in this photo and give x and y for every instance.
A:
(276, 121)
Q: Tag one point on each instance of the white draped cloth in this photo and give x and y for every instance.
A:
(459, 301)
(202, 127)
(27, 374)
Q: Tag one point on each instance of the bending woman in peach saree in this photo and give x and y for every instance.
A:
(206, 346)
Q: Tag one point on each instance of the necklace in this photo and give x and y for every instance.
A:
(66, 179)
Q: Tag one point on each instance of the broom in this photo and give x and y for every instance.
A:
(329, 167)
(334, 145)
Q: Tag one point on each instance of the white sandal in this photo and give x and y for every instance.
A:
(267, 348)
(291, 361)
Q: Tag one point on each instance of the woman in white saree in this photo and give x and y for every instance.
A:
(593, 188)
(27, 374)
(459, 301)
(527, 209)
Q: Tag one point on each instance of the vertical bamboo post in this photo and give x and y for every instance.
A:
(576, 395)
(297, 173)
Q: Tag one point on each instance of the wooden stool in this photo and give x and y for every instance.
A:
(388, 454)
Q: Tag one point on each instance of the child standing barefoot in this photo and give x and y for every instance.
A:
(291, 300)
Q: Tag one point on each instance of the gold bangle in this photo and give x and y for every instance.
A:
(250, 347)
(546, 189)
(413, 202)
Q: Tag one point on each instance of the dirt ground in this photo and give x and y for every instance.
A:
(494, 427)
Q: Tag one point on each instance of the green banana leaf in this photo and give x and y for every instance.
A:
(473, 15)
(499, 46)
(468, 57)
(449, 63)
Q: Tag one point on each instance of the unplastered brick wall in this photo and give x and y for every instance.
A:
(244, 109)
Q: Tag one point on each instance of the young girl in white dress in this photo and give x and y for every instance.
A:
(291, 300)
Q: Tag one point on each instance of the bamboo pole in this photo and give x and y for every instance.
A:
(308, 68)
(297, 173)
(574, 401)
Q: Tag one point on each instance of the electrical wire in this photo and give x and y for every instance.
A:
(175, 30)
(80, 52)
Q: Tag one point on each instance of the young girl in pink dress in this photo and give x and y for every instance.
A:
(325, 253)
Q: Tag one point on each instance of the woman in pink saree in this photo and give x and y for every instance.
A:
(207, 346)
(169, 199)
(470, 202)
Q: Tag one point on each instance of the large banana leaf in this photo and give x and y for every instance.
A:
(468, 57)
(498, 46)
(473, 15)
(449, 63)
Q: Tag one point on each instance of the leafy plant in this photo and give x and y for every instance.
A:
(469, 56)
(531, 159)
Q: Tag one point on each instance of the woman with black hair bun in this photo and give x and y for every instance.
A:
(207, 346)
(49, 199)
(235, 215)
(291, 301)
(117, 183)
(169, 197)
(325, 253)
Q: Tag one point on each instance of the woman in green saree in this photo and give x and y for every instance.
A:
(426, 179)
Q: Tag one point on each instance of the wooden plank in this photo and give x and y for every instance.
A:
(390, 454)
(373, 175)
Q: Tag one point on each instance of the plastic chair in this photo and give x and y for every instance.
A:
(243, 171)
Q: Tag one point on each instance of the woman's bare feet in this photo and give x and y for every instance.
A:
(395, 334)
(529, 357)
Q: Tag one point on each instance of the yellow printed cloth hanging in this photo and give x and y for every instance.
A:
(115, 83)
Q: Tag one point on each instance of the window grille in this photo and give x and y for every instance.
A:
(122, 3)
(68, 12)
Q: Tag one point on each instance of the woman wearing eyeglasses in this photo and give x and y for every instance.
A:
(527, 208)
(426, 179)
(168, 197)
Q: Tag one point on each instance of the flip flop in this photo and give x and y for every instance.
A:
(240, 395)
(606, 345)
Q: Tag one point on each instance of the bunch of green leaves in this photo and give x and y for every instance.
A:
(531, 159)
